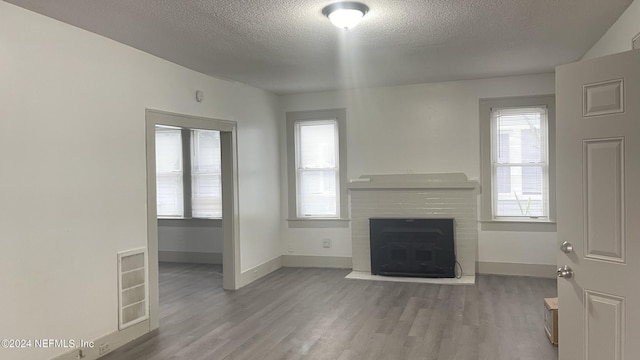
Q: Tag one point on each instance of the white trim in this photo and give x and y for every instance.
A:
(333, 262)
(518, 225)
(260, 271)
(543, 163)
(486, 167)
(339, 115)
(413, 181)
(115, 340)
(190, 257)
(318, 223)
(230, 218)
(516, 269)
(299, 169)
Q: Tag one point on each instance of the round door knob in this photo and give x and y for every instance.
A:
(566, 247)
(565, 272)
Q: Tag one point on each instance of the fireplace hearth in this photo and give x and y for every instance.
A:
(412, 247)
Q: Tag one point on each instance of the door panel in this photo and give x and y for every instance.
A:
(604, 199)
(604, 98)
(598, 207)
(604, 324)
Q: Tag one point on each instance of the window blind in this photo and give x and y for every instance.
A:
(169, 185)
(520, 162)
(205, 173)
(206, 189)
(317, 168)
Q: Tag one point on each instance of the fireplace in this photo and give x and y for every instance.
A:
(412, 247)
(415, 196)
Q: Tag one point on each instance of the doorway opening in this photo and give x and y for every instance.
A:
(220, 210)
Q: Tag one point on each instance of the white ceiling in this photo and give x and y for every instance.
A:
(288, 46)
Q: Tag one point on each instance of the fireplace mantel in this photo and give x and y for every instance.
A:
(413, 181)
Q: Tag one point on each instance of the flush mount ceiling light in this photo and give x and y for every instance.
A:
(345, 15)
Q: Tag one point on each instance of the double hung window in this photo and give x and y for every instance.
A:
(517, 158)
(188, 176)
(169, 172)
(317, 169)
(520, 165)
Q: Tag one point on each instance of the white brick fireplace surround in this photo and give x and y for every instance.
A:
(450, 195)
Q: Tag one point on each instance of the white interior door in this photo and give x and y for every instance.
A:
(598, 206)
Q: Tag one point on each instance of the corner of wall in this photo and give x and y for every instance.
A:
(260, 271)
(618, 37)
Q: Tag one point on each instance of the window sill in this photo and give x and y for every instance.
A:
(190, 223)
(533, 225)
(318, 223)
(176, 219)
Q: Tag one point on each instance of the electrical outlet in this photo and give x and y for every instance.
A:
(326, 243)
(103, 349)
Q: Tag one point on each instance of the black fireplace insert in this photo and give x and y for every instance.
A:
(412, 247)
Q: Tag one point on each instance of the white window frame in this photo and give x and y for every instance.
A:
(177, 175)
(488, 221)
(303, 117)
(543, 163)
(187, 193)
(194, 174)
(300, 169)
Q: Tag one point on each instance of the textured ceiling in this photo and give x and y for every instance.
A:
(288, 46)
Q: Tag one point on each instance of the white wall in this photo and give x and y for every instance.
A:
(73, 182)
(190, 235)
(427, 128)
(618, 37)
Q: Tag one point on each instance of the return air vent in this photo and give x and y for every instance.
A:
(133, 289)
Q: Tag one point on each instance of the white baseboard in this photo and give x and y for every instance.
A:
(258, 271)
(515, 269)
(114, 340)
(190, 257)
(335, 262)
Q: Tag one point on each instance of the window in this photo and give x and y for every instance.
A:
(169, 174)
(517, 160)
(316, 164)
(520, 163)
(188, 173)
(206, 182)
(317, 172)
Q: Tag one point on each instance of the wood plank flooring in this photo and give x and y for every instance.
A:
(318, 314)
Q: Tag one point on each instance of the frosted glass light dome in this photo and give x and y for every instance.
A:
(345, 15)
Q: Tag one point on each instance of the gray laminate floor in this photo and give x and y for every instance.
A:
(318, 314)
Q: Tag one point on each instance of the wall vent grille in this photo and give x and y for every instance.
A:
(133, 287)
